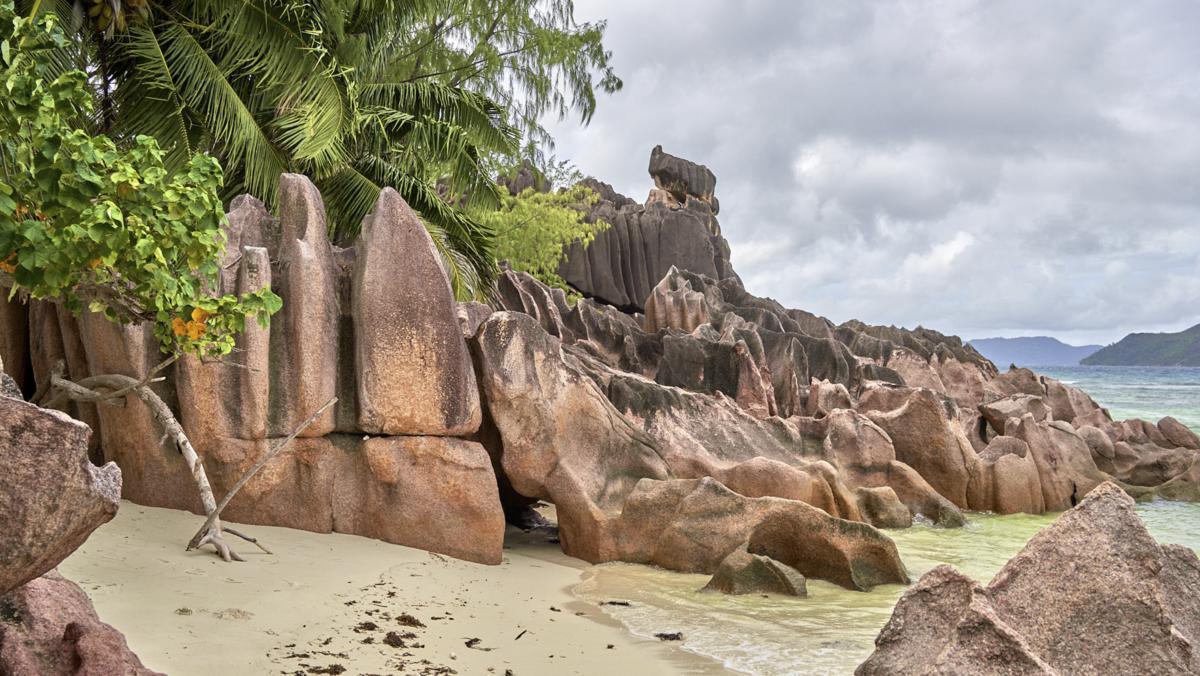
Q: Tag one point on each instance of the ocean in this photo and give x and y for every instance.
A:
(1137, 391)
(833, 629)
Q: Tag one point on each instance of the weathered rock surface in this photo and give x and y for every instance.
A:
(691, 525)
(624, 263)
(744, 573)
(1065, 468)
(51, 496)
(563, 441)
(998, 412)
(924, 439)
(304, 335)
(682, 178)
(50, 628)
(1007, 479)
(866, 460)
(433, 493)
(414, 371)
(1091, 593)
(674, 304)
(1176, 433)
(945, 624)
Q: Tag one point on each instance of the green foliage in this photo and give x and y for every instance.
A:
(533, 228)
(531, 56)
(426, 96)
(109, 228)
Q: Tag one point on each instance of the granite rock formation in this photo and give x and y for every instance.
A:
(667, 395)
(676, 227)
(744, 573)
(51, 496)
(1091, 593)
(48, 627)
(396, 459)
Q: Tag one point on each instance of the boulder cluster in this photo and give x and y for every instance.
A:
(670, 416)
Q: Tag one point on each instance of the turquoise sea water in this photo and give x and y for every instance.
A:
(1137, 391)
(833, 630)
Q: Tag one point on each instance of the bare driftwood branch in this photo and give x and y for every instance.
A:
(47, 385)
(85, 390)
(213, 517)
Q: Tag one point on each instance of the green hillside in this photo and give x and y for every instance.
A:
(1151, 349)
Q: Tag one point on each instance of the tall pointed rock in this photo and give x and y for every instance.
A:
(304, 333)
(414, 371)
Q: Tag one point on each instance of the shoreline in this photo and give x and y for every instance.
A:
(330, 601)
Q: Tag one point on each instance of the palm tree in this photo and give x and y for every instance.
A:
(308, 86)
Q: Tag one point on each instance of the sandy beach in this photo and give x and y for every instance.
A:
(343, 604)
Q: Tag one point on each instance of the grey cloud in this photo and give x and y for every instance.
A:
(980, 167)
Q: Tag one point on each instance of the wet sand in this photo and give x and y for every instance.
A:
(327, 603)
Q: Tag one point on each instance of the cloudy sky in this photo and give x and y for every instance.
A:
(983, 168)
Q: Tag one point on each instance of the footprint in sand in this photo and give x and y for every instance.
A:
(233, 614)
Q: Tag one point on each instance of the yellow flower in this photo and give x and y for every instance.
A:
(178, 326)
(199, 315)
(195, 330)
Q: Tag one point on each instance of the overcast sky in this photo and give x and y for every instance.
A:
(982, 168)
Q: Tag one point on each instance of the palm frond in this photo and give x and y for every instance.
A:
(149, 100)
(478, 115)
(351, 193)
(205, 87)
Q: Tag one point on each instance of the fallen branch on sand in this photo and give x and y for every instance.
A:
(214, 516)
(113, 389)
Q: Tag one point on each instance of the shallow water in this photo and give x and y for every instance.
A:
(833, 630)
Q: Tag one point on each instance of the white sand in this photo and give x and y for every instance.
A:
(304, 608)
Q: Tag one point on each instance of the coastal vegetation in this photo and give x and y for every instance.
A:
(1151, 349)
(533, 228)
(430, 97)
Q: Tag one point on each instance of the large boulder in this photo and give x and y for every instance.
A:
(681, 178)
(701, 435)
(1069, 403)
(1087, 595)
(414, 370)
(1091, 593)
(866, 460)
(744, 573)
(1178, 434)
(998, 411)
(434, 493)
(51, 496)
(945, 624)
(50, 628)
(1007, 479)
(925, 439)
(1066, 469)
(692, 525)
(562, 440)
(304, 334)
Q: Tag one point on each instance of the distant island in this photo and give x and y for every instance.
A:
(1151, 349)
(1032, 351)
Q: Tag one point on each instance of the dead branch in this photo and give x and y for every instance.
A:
(213, 517)
(86, 390)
